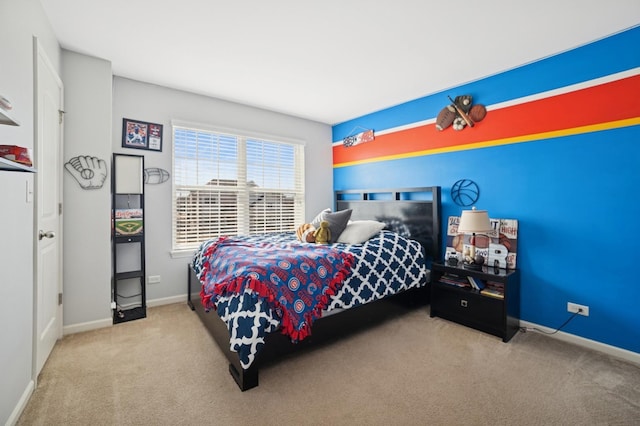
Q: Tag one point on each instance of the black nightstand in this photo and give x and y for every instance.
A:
(464, 305)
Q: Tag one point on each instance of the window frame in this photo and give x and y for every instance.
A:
(299, 171)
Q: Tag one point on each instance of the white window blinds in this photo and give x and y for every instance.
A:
(229, 184)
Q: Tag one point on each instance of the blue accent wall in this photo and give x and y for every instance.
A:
(577, 198)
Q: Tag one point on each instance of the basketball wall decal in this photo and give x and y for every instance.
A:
(465, 192)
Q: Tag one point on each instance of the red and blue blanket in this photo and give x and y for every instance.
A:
(295, 280)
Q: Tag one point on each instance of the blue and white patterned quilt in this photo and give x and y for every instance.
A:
(384, 265)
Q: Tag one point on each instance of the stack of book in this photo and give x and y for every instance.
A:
(493, 289)
(454, 280)
(476, 283)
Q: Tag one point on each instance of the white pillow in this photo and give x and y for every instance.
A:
(359, 231)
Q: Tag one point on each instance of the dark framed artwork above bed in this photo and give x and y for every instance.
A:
(302, 294)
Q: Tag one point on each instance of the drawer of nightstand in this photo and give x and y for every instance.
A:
(466, 306)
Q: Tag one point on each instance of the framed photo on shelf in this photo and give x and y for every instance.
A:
(138, 134)
(498, 247)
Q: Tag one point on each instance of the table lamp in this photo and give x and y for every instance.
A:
(473, 222)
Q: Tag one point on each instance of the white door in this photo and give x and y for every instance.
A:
(48, 155)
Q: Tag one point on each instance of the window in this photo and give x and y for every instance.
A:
(230, 184)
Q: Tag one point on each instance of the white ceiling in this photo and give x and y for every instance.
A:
(327, 60)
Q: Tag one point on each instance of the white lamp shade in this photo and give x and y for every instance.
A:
(474, 221)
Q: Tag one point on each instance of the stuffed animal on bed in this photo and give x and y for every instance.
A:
(305, 233)
(322, 235)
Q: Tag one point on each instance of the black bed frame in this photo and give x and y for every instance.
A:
(414, 212)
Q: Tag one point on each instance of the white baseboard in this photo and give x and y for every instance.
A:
(167, 300)
(22, 404)
(108, 322)
(87, 326)
(587, 343)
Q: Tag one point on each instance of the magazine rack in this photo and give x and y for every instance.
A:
(128, 257)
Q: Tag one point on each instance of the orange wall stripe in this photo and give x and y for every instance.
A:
(600, 105)
(505, 141)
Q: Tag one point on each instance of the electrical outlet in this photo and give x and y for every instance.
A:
(153, 279)
(580, 309)
(113, 305)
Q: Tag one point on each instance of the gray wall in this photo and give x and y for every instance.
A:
(147, 102)
(95, 104)
(20, 21)
(87, 221)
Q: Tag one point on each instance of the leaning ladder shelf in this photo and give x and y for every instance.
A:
(128, 239)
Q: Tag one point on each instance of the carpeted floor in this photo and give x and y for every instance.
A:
(412, 370)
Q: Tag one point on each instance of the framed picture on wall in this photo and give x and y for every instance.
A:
(138, 134)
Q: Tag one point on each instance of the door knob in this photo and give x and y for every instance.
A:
(49, 234)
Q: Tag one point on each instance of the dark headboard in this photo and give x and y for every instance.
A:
(411, 212)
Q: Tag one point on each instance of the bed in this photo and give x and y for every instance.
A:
(358, 284)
